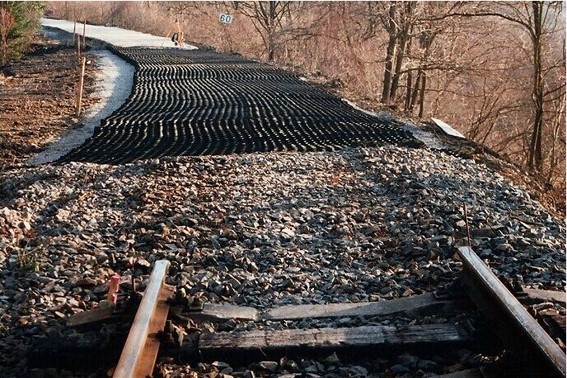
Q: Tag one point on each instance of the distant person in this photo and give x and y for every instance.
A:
(175, 38)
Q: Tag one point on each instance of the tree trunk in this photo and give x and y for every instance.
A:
(403, 39)
(270, 48)
(415, 91)
(407, 104)
(399, 60)
(270, 28)
(422, 94)
(390, 52)
(535, 156)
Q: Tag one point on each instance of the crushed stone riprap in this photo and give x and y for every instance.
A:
(260, 230)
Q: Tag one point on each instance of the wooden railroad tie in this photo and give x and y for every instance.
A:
(141, 348)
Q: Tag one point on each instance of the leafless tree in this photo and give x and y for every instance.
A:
(267, 19)
(538, 19)
(6, 23)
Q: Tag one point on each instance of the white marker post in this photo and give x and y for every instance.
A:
(226, 19)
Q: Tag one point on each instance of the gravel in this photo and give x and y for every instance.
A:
(113, 35)
(260, 230)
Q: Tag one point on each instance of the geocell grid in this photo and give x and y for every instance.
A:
(198, 102)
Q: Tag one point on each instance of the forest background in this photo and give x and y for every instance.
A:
(493, 70)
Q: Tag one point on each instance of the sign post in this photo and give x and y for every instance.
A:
(225, 18)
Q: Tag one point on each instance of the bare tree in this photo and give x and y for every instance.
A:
(267, 18)
(6, 23)
(538, 19)
(403, 23)
(391, 27)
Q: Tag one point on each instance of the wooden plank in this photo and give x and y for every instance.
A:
(512, 319)
(447, 129)
(546, 295)
(470, 373)
(98, 316)
(331, 337)
(133, 360)
(334, 310)
(94, 316)
(220, 312)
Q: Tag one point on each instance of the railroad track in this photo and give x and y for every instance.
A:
(198, 102)
(536, 352)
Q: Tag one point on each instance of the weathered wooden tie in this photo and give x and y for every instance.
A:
(222, 312)
(514, 324)
(300, 341)
(547, 295)
(335, 310)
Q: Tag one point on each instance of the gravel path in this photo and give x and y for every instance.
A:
(113, 85)
(262, 230)
(113, 35)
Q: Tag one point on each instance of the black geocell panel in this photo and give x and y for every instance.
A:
(198, 102)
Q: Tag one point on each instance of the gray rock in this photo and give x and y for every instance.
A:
(504, 247)
(271, 366)
(408, 360)
(400, 369)
(358, 371)
(428, 365)
(332, 359)
(262, 230)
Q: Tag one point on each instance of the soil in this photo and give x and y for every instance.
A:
(37, 100)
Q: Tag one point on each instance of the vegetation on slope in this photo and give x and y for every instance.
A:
(19, 21)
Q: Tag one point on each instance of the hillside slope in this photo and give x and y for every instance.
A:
(261, 229)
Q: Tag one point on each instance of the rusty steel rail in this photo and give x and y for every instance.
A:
(511, 319)
(141, 347)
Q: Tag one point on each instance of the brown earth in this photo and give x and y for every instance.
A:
(37, 101)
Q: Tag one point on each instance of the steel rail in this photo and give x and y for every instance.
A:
(141, 347)
(512, 320)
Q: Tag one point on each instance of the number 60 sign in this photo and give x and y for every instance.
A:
(225, 18)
